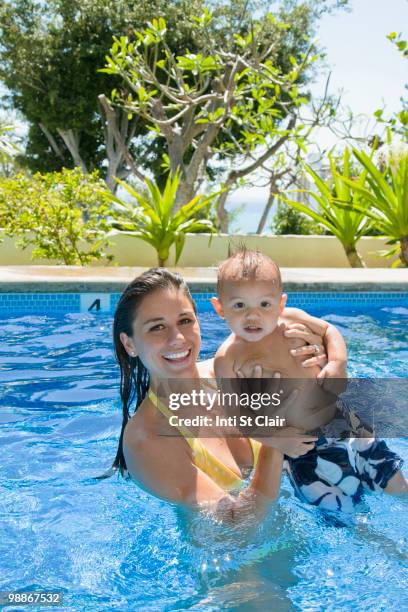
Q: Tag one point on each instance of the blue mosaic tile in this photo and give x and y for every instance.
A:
(38, 303)
(43, 303)
(316, 299)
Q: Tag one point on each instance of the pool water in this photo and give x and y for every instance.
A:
(108, 545)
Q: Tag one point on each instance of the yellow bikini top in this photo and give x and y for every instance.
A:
(202, 457)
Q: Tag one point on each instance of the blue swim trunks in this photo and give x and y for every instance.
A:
(337, 471)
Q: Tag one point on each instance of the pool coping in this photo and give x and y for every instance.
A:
(73, 279)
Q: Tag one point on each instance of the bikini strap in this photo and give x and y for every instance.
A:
(202, 457)
(185, 432)
(256, 447)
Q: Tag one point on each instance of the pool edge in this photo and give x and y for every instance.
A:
(72, 279)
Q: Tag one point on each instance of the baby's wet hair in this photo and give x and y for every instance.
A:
(247, 264)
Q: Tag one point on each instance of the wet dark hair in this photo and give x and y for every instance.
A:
(134, 377)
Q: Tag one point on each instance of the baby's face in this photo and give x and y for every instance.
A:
(251, 307)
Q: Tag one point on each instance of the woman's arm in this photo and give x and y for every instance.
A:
(317, 331)
(164, 467)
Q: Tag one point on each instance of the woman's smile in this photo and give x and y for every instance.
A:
(177, 357)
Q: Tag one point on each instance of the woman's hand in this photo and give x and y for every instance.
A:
(291, 441)
(325, 346)
(313, 347)
(256, 379)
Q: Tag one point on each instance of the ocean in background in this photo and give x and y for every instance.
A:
(247, 206)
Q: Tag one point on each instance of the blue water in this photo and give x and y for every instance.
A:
(110, 546)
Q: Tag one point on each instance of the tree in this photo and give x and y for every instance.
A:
(398, 122)
(288, 220)
(285, 169)
(191, 99)
(50, 53)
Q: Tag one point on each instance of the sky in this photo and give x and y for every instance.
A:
(363, 63)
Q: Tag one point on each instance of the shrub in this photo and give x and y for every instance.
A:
(62, 215)
(387, 194)
(347, 221)
(151, 217)
(288, 220)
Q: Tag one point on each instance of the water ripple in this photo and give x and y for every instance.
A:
(111, 546)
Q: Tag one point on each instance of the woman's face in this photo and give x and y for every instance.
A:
(166, 335)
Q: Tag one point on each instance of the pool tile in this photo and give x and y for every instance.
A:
(44, 303)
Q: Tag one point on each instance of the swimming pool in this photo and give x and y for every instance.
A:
(110, 546)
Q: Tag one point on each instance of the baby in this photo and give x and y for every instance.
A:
(250, 298)
(331, 473)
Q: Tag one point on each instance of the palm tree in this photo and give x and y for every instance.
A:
(387, 193)
(8, 148)
(152, 219)
(345, 222)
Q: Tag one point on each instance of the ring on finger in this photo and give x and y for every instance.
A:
(317, 348)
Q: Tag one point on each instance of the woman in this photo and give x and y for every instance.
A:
(157, 336)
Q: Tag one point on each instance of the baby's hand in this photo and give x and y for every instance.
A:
(333, 377)
(258, 380)
(333, 369)
(256, 371)
(291, 441)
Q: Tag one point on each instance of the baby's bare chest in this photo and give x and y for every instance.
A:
(273, 355)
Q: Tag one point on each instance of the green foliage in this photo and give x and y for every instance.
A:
(289, 220)
(63, 216)
(49, 59)
(233, 217)
(226, 98)
(51, 51)
(9, 149)
(152, 219)
(38, 155)
(399, 42)
(387, 194)
(347, 223)
(213, 88)
(398, 122)
(7, 146)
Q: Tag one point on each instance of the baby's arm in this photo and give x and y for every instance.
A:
(332, 340)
